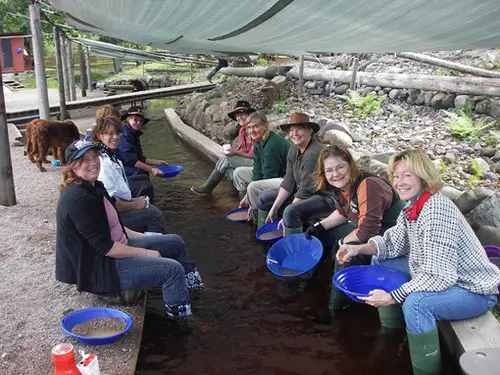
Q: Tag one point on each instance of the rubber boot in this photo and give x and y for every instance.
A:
(210, 76)
(261, 218)
(424, 352)
(212, 181)
(289, 231)
(391, 316)
(338, 300)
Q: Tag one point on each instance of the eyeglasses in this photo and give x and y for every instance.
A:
(254, 126)
(112, 134)
(339, 169)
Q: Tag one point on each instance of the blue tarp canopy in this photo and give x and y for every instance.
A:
(290, 27)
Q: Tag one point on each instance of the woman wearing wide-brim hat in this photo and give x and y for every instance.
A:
(241, 157)
(297, 184)
(129, 151)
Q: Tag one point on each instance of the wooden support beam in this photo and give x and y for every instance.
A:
(60, 75)
(83, 71)
(64, 64)
(257, 71)
(355, 64)
(41, 80)
(7, 190)
(301, 77)
(448, 64)
(89, 71)
(71, 69)
(459, 85)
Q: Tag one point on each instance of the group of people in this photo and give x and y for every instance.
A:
(406, 223)
(110, 237)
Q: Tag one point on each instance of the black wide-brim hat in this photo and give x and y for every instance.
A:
(135, 111)
(242, 106)
(297, 118)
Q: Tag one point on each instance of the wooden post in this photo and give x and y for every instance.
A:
(7, 190)
(60, 76)
(71, 71)
(301, 77)
(191, 67)
(64, 56)
(83, 71)
(87, 65)
(117, 65)
(354, 73)
(41, 80)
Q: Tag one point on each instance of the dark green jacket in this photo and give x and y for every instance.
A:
(269, 157)
(300, 168)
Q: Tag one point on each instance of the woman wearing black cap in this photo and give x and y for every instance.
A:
(241, 157)
(129, 151)
(101, 256)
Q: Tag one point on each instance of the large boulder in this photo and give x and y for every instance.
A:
(488, 212)
(489, 235)
(373, 166)
(337, 138)
(471, 199)
(451, 193)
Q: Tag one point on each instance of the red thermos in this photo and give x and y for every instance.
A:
(64, 360)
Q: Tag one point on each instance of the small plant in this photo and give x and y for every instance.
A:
(443, 168)
(493, 138)
(363, 105)
(477, 176)
(463, 126)
(400, 111)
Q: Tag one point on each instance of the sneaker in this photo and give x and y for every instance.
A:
(193, 280)
(178, 311)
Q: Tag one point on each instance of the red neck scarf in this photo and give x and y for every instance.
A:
(413, 210)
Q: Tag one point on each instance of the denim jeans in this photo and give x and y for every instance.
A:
(315, 206)
(140, 185)
(422, 310)
(146, 272)
(143, 220)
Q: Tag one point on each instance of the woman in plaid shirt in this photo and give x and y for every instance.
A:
(450, 275)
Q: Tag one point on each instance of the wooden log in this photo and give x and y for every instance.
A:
(60, 76)
(459, 85)
(257, 71)
(352, 86)
(87, 66)
(71, 69)
(7, 189)
(448, 64)
(83, 71)
(41, 80)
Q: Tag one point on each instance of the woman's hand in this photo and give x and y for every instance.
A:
(270, 216)
(249, 214)
(378, 298)
(156, 172)
(159, 162)
(151, 253)
(140, 203)
(347, 252)
(244, 202)
(230, 152)
(281, 226)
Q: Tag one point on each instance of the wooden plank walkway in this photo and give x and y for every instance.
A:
(119, 99)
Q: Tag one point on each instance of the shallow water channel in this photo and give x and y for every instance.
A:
(245, 320)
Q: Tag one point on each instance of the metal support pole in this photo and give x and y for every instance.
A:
(41, 80)
(60, 76)
(83, 71)
(87, 65)
(7, 190)
(301, 77)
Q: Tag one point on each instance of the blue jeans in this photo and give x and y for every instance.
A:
(143, 220)
(315, 206)
(422, 310)
(146, 272)
(141, 186)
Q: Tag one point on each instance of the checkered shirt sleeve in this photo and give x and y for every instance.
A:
(443, 251)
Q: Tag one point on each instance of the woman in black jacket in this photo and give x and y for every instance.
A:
(101, 256)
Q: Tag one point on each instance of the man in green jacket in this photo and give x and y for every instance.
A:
(270, 152)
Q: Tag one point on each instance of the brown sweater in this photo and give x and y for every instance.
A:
(374, 199)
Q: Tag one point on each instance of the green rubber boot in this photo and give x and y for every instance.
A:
(210, 75)
(261, 218)
(338, 300)
(391, 317)
(424, 352)
(289, 231)
(212, 181)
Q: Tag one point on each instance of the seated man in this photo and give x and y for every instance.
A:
(241, 157)
(269, 166)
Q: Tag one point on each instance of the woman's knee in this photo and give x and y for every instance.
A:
(291, 216)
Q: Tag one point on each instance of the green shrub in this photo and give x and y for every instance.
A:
(463, 126)
(477, 176)
(363, 105)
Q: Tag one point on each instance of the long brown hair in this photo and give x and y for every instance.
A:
(104, 124)
(319, 177)
(69, 176)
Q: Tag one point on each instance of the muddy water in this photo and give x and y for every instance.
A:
(246, 321)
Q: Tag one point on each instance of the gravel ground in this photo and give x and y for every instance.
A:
(33, 301)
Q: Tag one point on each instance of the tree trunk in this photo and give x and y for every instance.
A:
(258, 71)
(459, 85)
(448, 64)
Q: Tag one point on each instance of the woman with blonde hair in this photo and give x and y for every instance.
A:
(100, 255)
(365, 205)
(450, 275)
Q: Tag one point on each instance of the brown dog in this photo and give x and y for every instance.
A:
(42, 135)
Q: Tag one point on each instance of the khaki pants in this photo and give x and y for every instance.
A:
(257, 187)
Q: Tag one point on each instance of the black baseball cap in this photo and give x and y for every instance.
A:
(78, 148)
